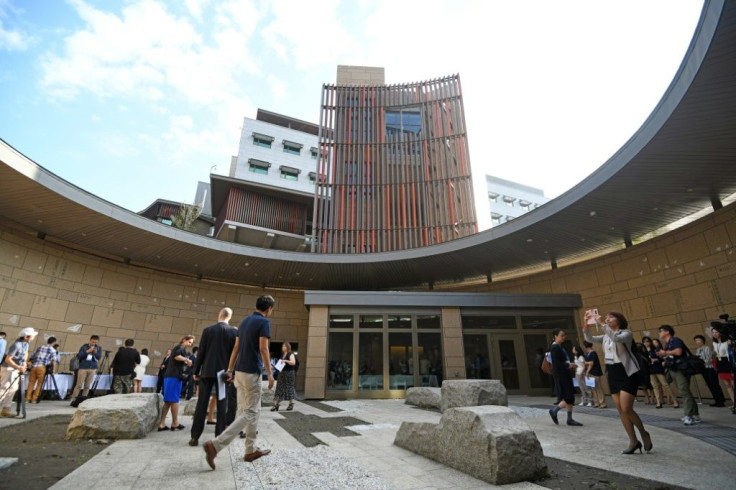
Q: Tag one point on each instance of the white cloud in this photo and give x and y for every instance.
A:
(308, 34)
(12, 39)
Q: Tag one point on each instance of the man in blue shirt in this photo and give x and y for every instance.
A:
(89, 355)
(251, 353)
(674, 349)
(43, 357)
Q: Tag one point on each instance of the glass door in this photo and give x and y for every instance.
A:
(477, 356)
(506, 353)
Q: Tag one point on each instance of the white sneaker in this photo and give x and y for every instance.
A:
(687, 421)
(696, 419)
(589, 404)
(581, 404)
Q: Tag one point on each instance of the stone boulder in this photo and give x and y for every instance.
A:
(266, 394)
(190, 406)
(424, 397)
(490, 443)
(130, 416)
(472, 393)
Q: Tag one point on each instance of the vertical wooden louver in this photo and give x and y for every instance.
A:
(393, 167)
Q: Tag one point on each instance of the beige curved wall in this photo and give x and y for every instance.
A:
(53, 289)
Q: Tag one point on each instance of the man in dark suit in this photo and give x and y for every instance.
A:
(215, 348)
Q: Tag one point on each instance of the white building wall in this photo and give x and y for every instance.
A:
(275, 156)
(509, 197)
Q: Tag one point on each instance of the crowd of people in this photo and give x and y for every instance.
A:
(651, 366)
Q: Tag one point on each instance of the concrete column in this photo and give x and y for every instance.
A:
(314, 385)
(452, 344)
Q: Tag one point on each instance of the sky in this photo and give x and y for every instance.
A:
(136, 100)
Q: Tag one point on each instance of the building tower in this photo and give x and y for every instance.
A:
(393, 170)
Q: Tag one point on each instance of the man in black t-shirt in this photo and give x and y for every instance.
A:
(674, 349)
(123, 368)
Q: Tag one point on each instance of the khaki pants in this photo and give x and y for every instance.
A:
(683, 386)
(84, 379)
(37, 375)
(599, 398)
(249, 408)
(659, 381)
(9, 384)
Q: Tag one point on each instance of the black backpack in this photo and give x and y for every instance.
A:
(296, 365)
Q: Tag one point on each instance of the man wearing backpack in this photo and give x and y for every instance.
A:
(676, 353)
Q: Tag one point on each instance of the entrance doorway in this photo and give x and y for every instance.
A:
(494, 356)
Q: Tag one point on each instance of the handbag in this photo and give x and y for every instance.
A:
(546, 365)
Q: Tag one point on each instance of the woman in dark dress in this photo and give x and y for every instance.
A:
(562, 376)
(287, 378)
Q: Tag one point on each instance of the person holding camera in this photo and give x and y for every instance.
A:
(89, 356)
(12, 368)
(723, 365)
(622, 371)
(676, 352)
(42, 360)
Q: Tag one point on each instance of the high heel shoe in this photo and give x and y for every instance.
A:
(632, 450)
(647, 447)
(275, 408)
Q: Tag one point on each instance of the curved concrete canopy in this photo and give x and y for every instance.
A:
(677, 163)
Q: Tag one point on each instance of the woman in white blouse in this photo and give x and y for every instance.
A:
(140, 371)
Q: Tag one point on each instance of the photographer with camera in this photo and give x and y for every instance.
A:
(41, 361)
(12, 368)
(89, 356)
(721, 345)
(675, 351)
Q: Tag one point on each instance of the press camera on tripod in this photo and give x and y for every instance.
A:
(726, 327)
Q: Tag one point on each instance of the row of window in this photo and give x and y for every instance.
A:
(287, 173)
(496, 218)
(289, 147)
(511, 201)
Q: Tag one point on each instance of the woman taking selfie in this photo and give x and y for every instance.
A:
(622, 372)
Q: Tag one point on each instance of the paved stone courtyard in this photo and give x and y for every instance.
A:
(354, 449)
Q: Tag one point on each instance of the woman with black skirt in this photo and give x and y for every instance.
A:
(287, 378)
(622, 371)
(562, 375)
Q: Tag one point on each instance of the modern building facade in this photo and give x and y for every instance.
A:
(368, 325)
(277, 151)
(394, 166)
(509, 200)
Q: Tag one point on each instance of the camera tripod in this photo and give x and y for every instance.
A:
(21, 403)
(50, 375)
(100, 371)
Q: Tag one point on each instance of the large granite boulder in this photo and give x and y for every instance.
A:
(472, 393)
(130, 416)
(424, 397)
(491, 443)
(190, 406)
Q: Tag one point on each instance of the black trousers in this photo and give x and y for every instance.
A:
(232, 403)
(711, 379)
(203, 401)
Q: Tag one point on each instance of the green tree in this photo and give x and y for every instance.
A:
(186, 216)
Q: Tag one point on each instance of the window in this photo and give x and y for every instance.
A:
(493, 197)
(312, 178)
(258, 166)
(166, 221)
(314, 152)
(289, 173)
(509, 201)
(525, 205)
(496, 218)
(403, 122)
(262, 140)
(292, 147)
(509, 218)
(490, 322)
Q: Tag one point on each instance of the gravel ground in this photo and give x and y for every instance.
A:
(315, 468)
